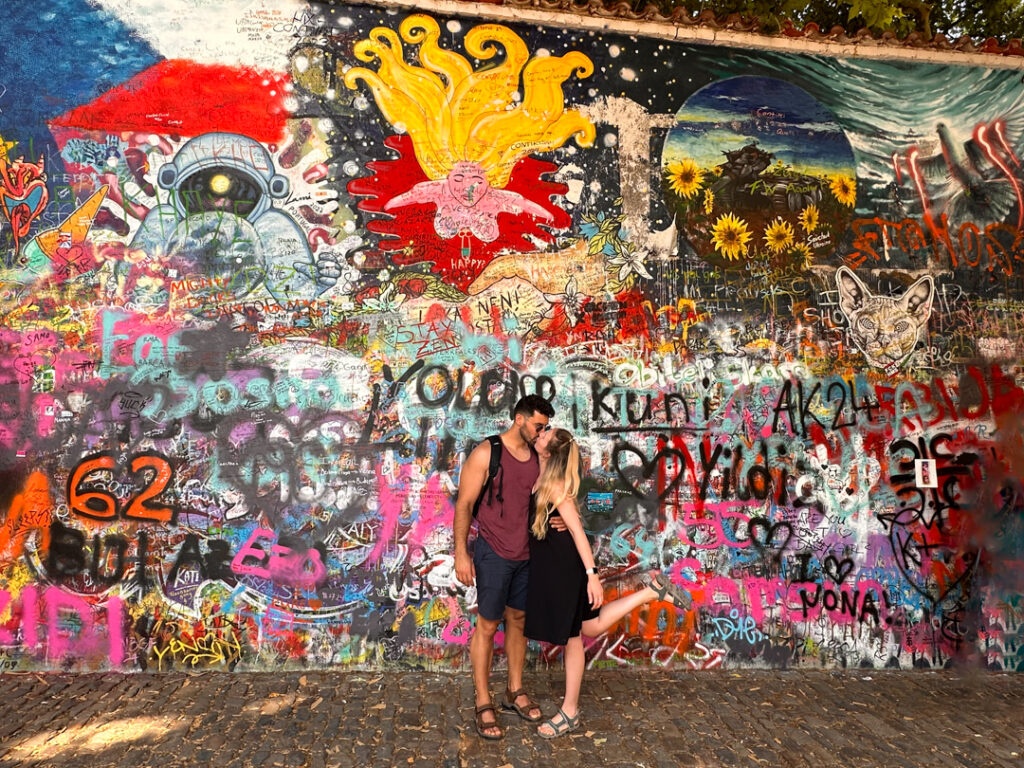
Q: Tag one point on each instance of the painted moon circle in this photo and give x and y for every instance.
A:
(757, 171)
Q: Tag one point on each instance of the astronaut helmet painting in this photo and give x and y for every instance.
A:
(219, 222)
(203, 179)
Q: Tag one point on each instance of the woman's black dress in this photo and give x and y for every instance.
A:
(556, 599)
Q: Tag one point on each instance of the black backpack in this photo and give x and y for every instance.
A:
(492, 472)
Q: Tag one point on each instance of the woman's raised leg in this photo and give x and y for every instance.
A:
(616, 609)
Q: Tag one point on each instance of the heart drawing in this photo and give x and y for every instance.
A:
(23, 195)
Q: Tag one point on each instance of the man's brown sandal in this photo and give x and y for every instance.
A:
(509, 705)
(482, 727)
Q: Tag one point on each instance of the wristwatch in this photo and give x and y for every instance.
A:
(592, 571)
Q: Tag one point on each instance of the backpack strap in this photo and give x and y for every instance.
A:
(493, 468)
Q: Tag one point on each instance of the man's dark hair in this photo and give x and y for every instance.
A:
(532, 404)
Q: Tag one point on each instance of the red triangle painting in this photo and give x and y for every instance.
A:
(188, 99)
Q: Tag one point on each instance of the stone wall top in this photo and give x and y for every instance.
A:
(734, 30)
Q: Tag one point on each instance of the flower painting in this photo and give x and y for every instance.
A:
(757, 170)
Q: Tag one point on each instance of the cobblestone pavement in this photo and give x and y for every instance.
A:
(654, 719)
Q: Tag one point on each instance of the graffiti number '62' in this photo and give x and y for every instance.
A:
(97, 501)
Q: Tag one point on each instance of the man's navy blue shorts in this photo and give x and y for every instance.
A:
(499, 582)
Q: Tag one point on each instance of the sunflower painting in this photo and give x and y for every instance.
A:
(709, 201)
(778, 235)
(844, 188)
(757, 170)
(730, 236)
(809, 218)
(684, 178)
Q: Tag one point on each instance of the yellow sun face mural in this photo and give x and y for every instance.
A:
(492, 117)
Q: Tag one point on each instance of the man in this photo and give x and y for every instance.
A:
(499, 565)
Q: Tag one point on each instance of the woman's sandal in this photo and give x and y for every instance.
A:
(523, 710)
(669, 592)
(560, 728)
(482, 727)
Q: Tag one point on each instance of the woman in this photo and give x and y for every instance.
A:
(564, 595)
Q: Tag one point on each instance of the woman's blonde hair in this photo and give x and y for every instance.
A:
(560, 479)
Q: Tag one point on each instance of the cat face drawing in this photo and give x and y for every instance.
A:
(885, 329)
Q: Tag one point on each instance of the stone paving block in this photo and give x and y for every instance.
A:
(791, 719)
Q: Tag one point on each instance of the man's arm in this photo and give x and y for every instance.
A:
(471, 483)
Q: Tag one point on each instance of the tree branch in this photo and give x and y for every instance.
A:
(923, 11)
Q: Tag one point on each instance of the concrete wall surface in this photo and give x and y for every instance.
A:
(270, 270)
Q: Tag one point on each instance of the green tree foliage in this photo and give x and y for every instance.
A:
(979, 19)
(1001, 19)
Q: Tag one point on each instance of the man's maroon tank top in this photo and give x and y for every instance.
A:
(505, 525)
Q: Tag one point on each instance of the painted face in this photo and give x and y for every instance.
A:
(530, 429)
(467, 183)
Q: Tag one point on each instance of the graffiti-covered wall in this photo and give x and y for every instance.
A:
(271, 270)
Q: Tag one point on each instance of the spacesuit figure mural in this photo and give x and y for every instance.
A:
(219, 221)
